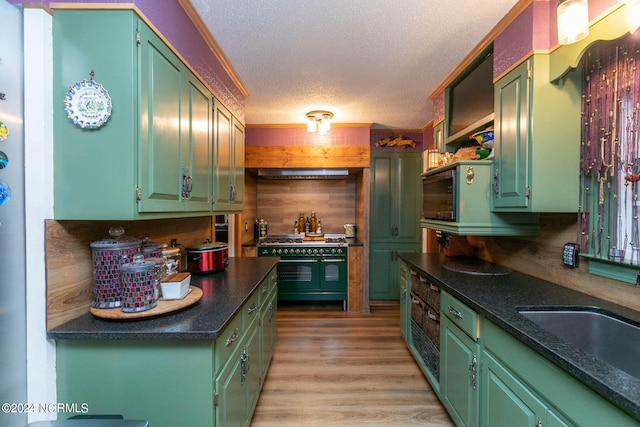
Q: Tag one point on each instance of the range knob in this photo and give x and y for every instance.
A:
(279, 251)
(285, 251)
(297, 251)
(273, 251)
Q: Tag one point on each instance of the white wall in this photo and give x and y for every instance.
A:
(38, 66)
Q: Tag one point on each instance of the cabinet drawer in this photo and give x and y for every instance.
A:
(250, 309)
(265, 288)
(228, 341)
(460, 314)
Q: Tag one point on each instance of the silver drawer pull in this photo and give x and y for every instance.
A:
(265, 289)
(431, 315)
(415, 300)
(253, 308)
(232, 338)
(455, 312)
(434, 287)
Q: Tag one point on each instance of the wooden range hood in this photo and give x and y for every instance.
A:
(307, 157)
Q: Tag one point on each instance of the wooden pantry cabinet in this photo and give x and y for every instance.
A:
(154, 156)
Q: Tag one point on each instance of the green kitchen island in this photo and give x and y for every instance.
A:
(201, 366)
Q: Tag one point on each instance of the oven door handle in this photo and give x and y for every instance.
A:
(297, 261)
(333, 260)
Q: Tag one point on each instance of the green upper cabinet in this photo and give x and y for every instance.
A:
(228, 193)
(537, 140)
(175, 132)
(154, 157)
(395, 197)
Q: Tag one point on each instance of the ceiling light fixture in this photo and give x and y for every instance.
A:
(320, 121)
(573, 21)
(632, 14)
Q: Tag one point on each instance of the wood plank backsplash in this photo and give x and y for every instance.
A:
(280, 201)
(541, 256)
(69, 263)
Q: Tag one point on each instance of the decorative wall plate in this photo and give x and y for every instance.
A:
(88, 104)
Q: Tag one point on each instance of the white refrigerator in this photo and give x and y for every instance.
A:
(13, 365)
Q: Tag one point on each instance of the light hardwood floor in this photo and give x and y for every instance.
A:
(331, 368)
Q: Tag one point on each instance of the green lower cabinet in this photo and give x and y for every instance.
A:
(231, 393)
(506, 401)
(405, 287)
(168, 383)
(458, 378)
(383, 266)
(519, 373)
(269, 325)
(176, 382)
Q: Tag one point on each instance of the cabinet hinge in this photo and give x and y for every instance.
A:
(138, 39)
(215, 399)
(529, 72)
(138, 194)
(527, 192)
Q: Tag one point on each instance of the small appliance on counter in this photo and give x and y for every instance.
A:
(349, 230)
(108, 256)
(208, 257)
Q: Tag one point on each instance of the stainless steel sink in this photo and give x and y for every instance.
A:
(612, 340)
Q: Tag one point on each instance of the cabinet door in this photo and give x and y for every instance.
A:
(161, 113)
(197, 148)
(404, 300)
(231, 393)
(269, 324)
(458, 380)
(408, 194)
(507, 401)
(253, 376)
(222, 138)
(395, 197)
(382, 189)
(237, 173)
(511, 145)
(383, 269)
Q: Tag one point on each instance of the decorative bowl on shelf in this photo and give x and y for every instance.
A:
(484, 138)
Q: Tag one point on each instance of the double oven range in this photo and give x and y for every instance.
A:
(309, 270)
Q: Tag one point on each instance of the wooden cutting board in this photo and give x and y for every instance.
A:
(163, 307)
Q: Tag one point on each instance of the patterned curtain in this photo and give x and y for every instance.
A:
(609, 162)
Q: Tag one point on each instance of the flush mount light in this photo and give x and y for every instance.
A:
(573, 21)
(319, 120)
(632, 14)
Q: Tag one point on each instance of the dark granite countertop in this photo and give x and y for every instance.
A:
(497, 297)
(224, 293)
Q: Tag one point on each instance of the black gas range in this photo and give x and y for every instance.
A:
(309, 269)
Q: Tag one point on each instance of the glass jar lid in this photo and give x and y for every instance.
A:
(117, 240)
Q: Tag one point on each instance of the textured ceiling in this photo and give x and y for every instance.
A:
(367, 61)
